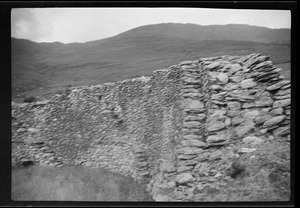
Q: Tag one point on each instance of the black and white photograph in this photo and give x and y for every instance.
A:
(150, 104)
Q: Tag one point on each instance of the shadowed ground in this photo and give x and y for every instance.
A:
(37, 183)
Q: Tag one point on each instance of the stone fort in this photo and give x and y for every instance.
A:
(180, 130)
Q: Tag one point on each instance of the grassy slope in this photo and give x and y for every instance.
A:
(38, 183)
(43, 68)
(123, 59)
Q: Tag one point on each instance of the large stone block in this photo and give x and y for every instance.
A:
(245, 129)
(251, 115)
(248, 83)
(217, 138)
(234, 105)
(281, 131)
(235, 68)
(281, 103)
(222, 77)
(253, 140)
(192, 124)
(184, 178)
(274, 121)
(192, 104)
(215, 126)
(264, 102)
(237, 120)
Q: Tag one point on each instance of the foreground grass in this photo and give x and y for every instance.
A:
(37, 183)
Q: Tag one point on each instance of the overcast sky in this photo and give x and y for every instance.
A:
(86, 24)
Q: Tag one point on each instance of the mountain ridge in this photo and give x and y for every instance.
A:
(241, 26)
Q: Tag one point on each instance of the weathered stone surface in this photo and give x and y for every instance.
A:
(248, 83)
(237, 79)
(167, 166)
(227, 121)
(265, 111)
(281, 131)
(276, 111)
(287, 112)
(216, 114)
(192, 104)
(245, 129)
(215, 155)
(222, 77)
(190, 151)
(263, 65)
(204, 167)
(188, 62)
(32, 130)
(197, 131)
(192, 124)
(239, 96)
(215, 126)
(253, 140)
(274, 121)
(216, 87)
(233, 113)
(234, 68)
(213, 65)
(278, 85)
(186, 164)
(286, 87)
(261, 119)
(192, 95)
(190, 80)
(199, 117)
(217, 138)
(264, 101)
(187, 156)
(184, 178)
(246, 150)
(248, 105)
(234, 105)
(233, 87)
(251, 115)
(218, 102)
(192, 143)
(237, 120)
(283, 92)
(192, 137)
(281, 103)
(190, 90)
(21, 130)
(283, 97)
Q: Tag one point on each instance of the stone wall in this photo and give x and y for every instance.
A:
(125, 126)
(189, 130)
(232, 107)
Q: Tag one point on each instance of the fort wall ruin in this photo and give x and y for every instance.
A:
(181, 131)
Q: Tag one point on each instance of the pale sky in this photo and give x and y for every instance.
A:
(68, 25)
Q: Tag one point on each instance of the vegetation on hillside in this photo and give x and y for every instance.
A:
(39, 69)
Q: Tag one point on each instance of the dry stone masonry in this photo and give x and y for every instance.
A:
(187, 131)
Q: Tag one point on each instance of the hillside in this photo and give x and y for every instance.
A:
(40, 69)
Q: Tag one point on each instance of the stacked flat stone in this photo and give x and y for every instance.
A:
(228, 100)
(141, 163)
(193, 103)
